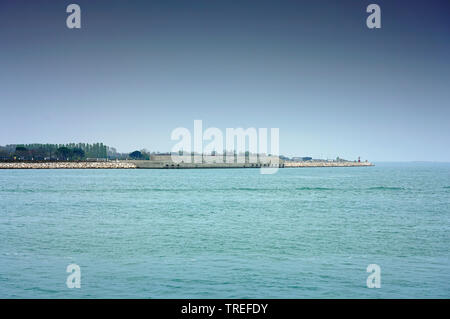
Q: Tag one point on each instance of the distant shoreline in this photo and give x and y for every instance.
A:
(165, 165)
(327, 164)
(66, 165)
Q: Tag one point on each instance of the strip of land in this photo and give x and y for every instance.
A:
(326, 164)
(100, 156)
(168, 165)
(67, 165)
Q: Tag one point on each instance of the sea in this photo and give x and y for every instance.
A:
(227, 233)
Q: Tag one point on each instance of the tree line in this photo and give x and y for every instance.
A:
(67, 152)
(71, 151)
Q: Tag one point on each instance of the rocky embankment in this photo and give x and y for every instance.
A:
(151, 164)
(326, 164)
(66, 165)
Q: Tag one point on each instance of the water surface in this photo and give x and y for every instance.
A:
(226, 233)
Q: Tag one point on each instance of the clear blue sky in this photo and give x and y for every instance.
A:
(138, 69)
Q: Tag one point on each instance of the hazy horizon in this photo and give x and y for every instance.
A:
(137, 70)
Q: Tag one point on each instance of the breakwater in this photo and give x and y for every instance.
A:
(67, 165)
(326, 164)
(168, 165)
(172, 165)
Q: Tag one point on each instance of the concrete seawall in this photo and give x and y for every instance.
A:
(172, 165)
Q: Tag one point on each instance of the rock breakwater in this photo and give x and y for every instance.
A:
(326, 164)
(66, 165)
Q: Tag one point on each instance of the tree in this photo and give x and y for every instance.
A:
(4, 154)
(78, 154)
(64, 153)
(21, 151)
(145, 154)
(38, 153)
(136, 155)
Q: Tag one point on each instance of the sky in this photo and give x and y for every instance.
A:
(136, 70)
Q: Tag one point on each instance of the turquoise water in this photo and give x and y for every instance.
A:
(226, 233)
